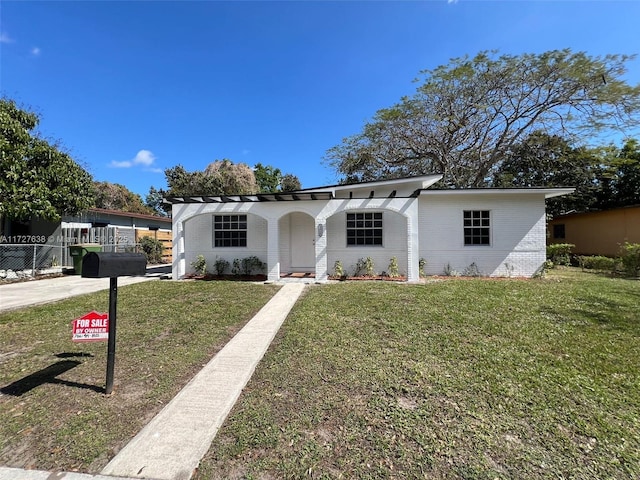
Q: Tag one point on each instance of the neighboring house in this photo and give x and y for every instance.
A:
(502, 231)
(597, 233)
(114, 230)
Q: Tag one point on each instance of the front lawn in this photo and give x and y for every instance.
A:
(481, 378)
(53, 412)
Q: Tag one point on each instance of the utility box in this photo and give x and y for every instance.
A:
(113, 265)
(78, 252)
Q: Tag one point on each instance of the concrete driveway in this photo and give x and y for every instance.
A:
(36, 292)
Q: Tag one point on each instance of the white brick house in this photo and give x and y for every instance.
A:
(502, 231)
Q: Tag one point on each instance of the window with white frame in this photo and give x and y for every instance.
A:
(364, 228)
(477, 227)
(229, 230)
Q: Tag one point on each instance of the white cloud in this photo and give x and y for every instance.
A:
(144, 158)
(35, 51)
(125, 164)
(452, 1)
(5, 38)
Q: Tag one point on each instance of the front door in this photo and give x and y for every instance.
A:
(303, 251)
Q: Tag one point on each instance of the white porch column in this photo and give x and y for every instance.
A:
(178, 266)
(321, 250)
(273, 250)
(413, 250)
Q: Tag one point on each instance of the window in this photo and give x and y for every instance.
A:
(364, 228)
(558, 230)
(229, 230)
(477, 227)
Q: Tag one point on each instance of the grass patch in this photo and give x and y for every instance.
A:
(452, 379)
(53, 414)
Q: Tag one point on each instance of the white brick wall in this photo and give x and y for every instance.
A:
(199, 241)
(517, 233)
(394, 241)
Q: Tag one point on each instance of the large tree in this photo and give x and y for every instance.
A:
(271, 180)
(222, 177)
(466, 116)
(37, 178)
(621, 176)
(114, 196)
(543, 160)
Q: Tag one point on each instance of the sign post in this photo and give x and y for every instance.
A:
(112, 266)
(111, 345)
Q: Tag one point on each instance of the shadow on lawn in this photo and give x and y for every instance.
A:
(47, 375)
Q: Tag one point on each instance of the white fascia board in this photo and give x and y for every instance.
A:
(547, 192)
(423, 181)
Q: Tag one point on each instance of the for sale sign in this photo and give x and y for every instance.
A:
(92, 327)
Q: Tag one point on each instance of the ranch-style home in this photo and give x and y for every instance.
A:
(501, 231)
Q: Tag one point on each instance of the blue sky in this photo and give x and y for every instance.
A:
(132, 88)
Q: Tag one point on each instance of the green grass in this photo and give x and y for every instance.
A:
(469, 379)
(166, 332)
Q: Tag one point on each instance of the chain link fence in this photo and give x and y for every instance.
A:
(23, 261)
(19, 261)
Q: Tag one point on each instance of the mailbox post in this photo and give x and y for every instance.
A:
(112, 266)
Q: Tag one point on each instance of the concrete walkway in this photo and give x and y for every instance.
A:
(171, 446)
(36, 292)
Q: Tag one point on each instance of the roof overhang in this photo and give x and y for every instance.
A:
(413, 183)
(261, 197)
(547, 192)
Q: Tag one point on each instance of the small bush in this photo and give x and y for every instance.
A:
(630, 258)
(472, 271)
(220, 266)
(597, 262)
(251, 265)
(200, 265)
(393, 268)
(560, 253)
(422, 264)
(152, 249)
(338, 269)
(236, 269)
(450, 272)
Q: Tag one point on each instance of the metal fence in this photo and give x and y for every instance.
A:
(20, 260)
(28, 260)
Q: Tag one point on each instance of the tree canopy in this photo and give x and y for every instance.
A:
(37, 178)
(465, 117)
(604, 177)
(114, 196)
(223, 177)
(271, 179)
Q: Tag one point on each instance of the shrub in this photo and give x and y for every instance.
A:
(422, 264)
(236, 269)
(364, 267)
(597, 262)
(152, 249)
(220, 266)
(338, 269)
(472, 271)
(393, 268)
(200, 265)
(251, 265)
(630, 258)
(450, 272)
(560, 253)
